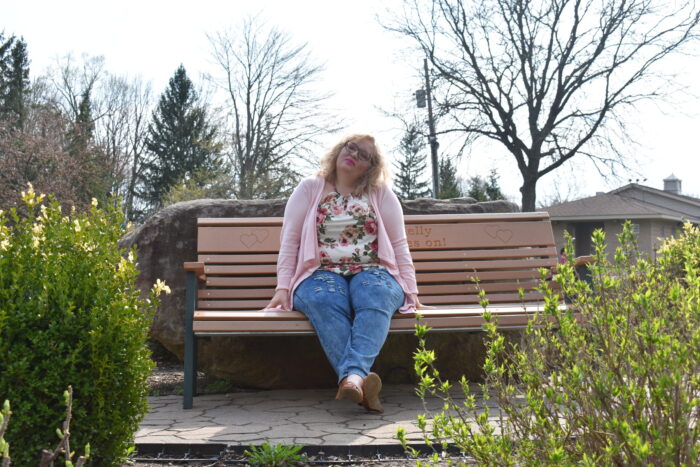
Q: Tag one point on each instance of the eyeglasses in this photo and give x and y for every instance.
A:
(361, 153)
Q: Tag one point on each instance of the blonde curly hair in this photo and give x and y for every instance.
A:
(376, 175)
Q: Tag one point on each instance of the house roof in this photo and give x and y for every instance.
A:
(656, 192)
(625, 203)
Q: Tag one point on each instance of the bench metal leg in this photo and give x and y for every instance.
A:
(190, 389)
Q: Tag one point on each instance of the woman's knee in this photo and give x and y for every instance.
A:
(322, 290)
(376, 288)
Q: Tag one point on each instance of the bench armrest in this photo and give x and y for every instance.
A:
(197, 268)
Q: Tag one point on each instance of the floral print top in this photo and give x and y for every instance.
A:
(347, 234)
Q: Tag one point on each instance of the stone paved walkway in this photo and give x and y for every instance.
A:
(304, 417)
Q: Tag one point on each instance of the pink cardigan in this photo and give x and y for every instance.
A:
(299, 257)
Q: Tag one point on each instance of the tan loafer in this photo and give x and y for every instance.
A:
(349, 390)
(371, 387)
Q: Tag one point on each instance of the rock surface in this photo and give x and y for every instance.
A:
(168, 239)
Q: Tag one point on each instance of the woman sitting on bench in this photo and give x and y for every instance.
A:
(344, 262)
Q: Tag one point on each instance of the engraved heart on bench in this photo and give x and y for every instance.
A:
(503, 235)
(257, 236)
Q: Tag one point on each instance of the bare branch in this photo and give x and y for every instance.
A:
(275, 116)
(546, 79)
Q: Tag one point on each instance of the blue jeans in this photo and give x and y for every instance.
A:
(351, 315)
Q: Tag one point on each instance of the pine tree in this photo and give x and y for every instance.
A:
(87, 155)
(82, 130)
(493, 190)
(181, 141)
(485, 190)
(5, 49)
(449, 186)
(16, 85)
(410, 168)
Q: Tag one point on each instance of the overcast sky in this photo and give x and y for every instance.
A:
(366, 68)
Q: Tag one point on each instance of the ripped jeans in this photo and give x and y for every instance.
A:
(351, 315)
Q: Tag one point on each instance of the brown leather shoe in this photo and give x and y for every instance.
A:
(371, 386)
(349, 390)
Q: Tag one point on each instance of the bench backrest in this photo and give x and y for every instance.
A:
(505, 252)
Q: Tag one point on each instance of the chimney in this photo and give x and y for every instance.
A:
(672, 185)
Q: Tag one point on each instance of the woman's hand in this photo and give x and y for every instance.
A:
(279, 300)
(419, 305)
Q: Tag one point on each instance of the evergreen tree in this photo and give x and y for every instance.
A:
(82, 130)
(5, 49)
(87, 155)
(410, 168)
(485, 190)
(448, 185)
(14, 84)
(181, 141)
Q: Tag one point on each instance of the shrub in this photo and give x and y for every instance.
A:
(48, 456)
(70, 314)
(274, 455)
(621, 387)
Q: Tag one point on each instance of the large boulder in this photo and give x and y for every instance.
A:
(168, 239)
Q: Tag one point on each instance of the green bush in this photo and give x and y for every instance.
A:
(48, 456)
(70, 314)
(274, 455)
(622, 387)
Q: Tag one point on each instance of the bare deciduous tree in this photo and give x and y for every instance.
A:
(273, 114)
(72, 79)
(121, 109)
(121, 132)
(548, 79)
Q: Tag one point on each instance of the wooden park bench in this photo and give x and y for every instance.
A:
(234, 276)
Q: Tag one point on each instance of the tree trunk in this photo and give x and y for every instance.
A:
(529, 195)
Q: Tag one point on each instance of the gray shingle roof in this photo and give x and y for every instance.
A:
(615, 205)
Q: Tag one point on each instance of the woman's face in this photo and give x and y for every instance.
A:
(355, 158)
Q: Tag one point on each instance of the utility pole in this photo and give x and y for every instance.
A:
(432, 139)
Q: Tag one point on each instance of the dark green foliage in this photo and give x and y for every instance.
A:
(449, 187)
(485, 190)
(70, 314)
(14, 81)
(409, 182)
(181, 141)
(618, 387)
(48, 456)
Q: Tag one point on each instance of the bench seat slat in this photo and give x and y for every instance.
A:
(259, 281)
(427, 299)
(475, 266)
(268, 258)
(458, 310)
(440, 289)
(425, 277)
(432, 277)
(493, 253)
(295, 326)
(242, 269)
(421, 266)
(235, 293)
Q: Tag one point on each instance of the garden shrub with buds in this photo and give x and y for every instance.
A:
(70, 314)
(621, 387)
